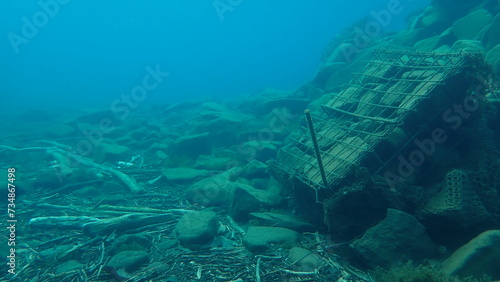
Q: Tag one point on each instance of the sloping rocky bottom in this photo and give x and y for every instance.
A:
(79, 234)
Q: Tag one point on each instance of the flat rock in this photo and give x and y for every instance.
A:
(126, 141)
(210, 162)
(183, 175)
(396, 239)
(131, 242)
(192, 145)
(97, 117)
(196, 228)
(68, 266)
(128, 260)
(478, 257)
(247, 199)
(240, 198)
(259, 239)
(218, 120)
(283, 220)
(106, 152)
(304, 259)
(60, 131)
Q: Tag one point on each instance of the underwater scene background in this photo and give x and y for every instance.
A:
(234, 140)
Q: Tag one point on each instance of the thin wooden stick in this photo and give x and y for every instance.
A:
(316, 147)
(257, 270)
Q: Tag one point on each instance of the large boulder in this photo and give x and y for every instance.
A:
(213, 191)
(427, 44)
(247, 199)
(493, 57)
(481, 256)
(196, 228)
(408, 37)
(469, 26)
(261, 150)
(225, 189)
(396, 239)
(352, 210)
(433, 20)
(129, 260)
(326, 71)
(339, 54)
(490, 37)
(468, 46)
(131, 242)
(254, 169)
(446, 38)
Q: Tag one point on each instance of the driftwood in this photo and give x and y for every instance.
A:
(129, 181)
(61, 222)
(74, 186)
(67, 159)
(132, 209)
(123, 223)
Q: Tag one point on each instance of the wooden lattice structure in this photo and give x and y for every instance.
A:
(393, 87)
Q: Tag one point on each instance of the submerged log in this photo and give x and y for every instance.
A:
(124, 223)
(61, 222)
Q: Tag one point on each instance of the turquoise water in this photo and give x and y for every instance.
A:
(55, 53)
(222, 140)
